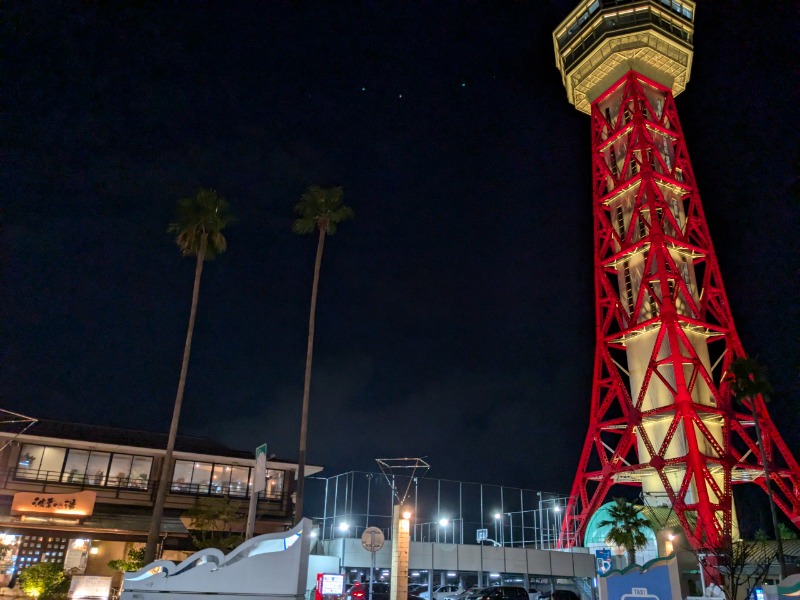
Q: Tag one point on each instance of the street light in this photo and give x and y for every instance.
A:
(443, 523)
(498, 518)
(344, 526)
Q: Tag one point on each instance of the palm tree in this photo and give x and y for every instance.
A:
(627, 527)
(198, 228)
(748, 379)
(320, 209)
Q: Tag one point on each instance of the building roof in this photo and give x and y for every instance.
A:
(103, 434)
(664, 517)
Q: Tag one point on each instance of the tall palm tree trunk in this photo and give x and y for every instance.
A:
(631, 556)
(768, 482)
(301, 458)
(166, 467)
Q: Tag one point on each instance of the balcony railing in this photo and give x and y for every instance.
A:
(120, 485)
(606, 23)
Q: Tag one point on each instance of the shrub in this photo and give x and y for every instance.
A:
(134, 562)
(45, 581)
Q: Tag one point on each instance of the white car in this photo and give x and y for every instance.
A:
(440, 592)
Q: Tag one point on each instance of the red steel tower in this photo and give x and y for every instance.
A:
(662, 413)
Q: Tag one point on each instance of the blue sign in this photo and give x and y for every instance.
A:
(603, 558)
(653, 583)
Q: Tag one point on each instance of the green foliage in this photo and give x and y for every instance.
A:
(627, 527)
(786, 533)
(212, 522)
(45, 581)
(134, 562)
(198, 219)
(321, 209)
(748, 379)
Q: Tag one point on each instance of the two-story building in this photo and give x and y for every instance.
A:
(82, 495)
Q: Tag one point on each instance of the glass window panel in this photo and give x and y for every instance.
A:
(201, 477)
(182, 476)
(220, 480)
(120, 470)
(52, 463)
(140, 471)
(97, 468)
(239, 477)
(30, 458)
(75, 469)
(275, 482)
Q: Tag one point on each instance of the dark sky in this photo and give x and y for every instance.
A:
(456, 312)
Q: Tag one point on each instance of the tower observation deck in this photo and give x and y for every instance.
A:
(662, 413)
(601, 40)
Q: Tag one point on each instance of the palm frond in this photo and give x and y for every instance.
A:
(627, 525)
(205, 213)
(321, 209)
(748, 379)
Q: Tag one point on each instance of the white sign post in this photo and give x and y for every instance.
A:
(372, 539)
(259, 485)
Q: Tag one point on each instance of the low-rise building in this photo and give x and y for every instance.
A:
(82, 495)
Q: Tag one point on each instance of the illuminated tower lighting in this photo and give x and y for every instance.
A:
(662, 414)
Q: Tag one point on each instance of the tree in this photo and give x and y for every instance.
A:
(198, 227)
(627, 527)
(45, 581)
(133, 562)
(320, 209)
(738, 565)
(785, 532)
(748, 380)
(212, 521)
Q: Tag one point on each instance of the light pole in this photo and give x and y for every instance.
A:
(498, 519)
(557, 510)
(443, 523)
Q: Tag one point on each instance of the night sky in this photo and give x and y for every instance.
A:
(455, 317)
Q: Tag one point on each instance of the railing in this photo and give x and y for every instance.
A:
(443, 511)
(76, 480)
(120, 485)
(614, 23)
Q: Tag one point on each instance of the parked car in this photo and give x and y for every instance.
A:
(559, 595)
(463, 594)
(380, 591)
(360, 591)
(440, 592)
(500, 592)
(417, 588)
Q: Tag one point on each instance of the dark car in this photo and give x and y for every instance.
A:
(559, 595)
(500, 592)
(360, 591)
(380, 591)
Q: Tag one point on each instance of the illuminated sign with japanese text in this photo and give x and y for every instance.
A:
(79, 503)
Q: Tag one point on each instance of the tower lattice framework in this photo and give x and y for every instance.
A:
(662, 412)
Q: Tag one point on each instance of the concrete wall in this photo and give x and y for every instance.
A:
(467, 557)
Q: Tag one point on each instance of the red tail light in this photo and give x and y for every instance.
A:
(358, 594)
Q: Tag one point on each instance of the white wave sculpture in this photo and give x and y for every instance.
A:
(273, 566)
